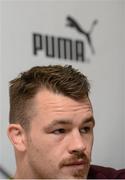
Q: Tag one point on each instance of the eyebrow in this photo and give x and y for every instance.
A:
(90, 120)
(57, 122)
(68, 122)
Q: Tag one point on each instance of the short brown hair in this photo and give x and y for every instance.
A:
(59, 79)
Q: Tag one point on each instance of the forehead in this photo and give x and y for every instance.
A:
(48, 107)
(48, 99)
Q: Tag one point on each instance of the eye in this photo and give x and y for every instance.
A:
(59, 131)
(85, 130)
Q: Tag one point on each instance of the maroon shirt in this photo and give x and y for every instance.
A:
(99, 172)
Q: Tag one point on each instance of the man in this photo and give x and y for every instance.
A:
(51, 125)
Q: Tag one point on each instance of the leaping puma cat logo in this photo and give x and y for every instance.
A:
(71, 22)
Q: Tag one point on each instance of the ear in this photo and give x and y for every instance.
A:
(17, 136)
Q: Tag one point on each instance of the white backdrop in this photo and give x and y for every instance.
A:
(105, 69)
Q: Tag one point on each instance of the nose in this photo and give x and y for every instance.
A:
(76, 143)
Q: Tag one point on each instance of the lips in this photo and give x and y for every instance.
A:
(76, 163)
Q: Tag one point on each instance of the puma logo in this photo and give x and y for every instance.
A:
(71, 22)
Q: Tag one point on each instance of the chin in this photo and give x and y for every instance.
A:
(74, 175)
(75, 172)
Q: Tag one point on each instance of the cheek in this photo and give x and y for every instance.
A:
(89, 144)
(37, 153)
(44, 147)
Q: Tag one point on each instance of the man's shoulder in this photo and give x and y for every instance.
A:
(99, 172)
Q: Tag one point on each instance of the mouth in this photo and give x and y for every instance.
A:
(76, 164)
(76, 168)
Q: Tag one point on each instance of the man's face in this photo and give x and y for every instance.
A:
(60, 138)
